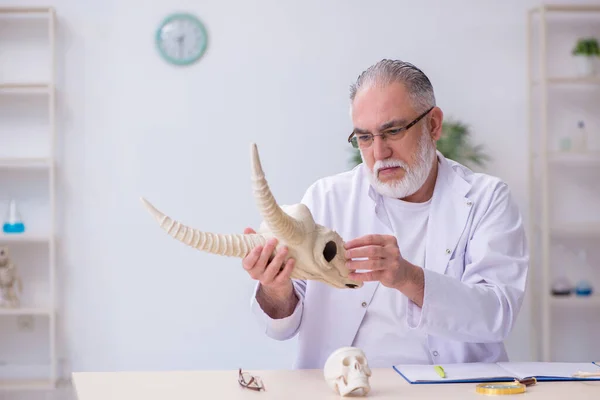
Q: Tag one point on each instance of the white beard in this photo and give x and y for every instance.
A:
(414, 177)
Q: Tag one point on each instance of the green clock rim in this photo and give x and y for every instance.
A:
(197, 22)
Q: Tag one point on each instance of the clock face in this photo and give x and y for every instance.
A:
(181, 39)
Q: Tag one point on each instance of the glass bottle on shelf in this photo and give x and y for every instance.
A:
(13, 222)
(584, 285)
(561, 284)
(582, 137)
(575, 140)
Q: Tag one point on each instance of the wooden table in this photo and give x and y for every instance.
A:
(290, 384)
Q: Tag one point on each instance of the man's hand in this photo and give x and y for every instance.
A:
(273, 272)
(382, 258)
(276, 293)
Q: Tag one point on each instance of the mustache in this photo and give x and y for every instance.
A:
(380, 164)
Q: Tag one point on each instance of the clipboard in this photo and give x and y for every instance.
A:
(497, 372)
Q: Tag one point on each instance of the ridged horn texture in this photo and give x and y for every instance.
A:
(236, 245)
(281, 224)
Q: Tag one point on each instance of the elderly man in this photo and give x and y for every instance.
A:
(441, 249)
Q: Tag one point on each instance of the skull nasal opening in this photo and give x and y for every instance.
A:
(330, 251)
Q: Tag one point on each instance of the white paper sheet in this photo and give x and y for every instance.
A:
(468, 371)
(553, 369)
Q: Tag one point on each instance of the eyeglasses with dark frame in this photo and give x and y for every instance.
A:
(250, 382)
(364, 140)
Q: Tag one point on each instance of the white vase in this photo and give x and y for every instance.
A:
(586, 65)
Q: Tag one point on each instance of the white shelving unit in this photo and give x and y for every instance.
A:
(28, 354)
(564, 185)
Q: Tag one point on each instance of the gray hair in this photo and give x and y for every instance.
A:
(387, 71)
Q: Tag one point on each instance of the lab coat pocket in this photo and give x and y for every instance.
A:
(456, 265)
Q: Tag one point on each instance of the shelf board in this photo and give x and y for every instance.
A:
(26, 384)
(576, 229)
(25, 163)
(573, 300)
(25, 87)
(568, 80)
(26, 237)
(26, 10)
(575, 158)
(25, 311)
(578, 8)
(575, 80)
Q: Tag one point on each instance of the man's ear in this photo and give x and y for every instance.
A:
(435, 123)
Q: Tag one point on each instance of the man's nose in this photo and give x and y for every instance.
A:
(381, 149)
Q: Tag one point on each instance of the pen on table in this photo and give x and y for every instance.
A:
(440, 371)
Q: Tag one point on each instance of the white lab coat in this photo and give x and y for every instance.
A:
(475, 269)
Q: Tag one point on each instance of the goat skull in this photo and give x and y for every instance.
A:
(317, 250)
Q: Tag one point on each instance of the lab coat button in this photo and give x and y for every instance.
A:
(435, 353)
(448, 251)
(364, 304)
(469, 203)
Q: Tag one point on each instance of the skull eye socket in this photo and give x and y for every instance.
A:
(330, 251)
(346, 361)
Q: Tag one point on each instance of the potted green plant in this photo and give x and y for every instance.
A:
(455, 144)
(586, 53)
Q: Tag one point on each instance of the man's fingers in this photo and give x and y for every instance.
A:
(249, 261)
(369, 276)
(267, 252)
(374, 265)
(275, 266)
(370, 251)
(369, 240)
(286, 273)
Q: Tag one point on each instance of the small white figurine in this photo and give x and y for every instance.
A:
(317, 250)
(347, 372)
(9, 281)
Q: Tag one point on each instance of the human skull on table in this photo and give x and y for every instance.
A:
(347, 371)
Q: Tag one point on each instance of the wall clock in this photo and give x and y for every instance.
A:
(181, 39)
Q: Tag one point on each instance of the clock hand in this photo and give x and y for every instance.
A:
(180, 40)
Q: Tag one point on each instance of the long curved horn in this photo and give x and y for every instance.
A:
(236, 245)
(281, 224)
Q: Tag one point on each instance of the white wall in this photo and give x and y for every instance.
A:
(276, 73)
